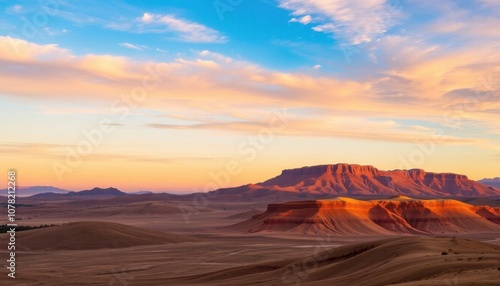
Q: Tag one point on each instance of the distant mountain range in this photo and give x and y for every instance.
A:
(85, 193)
(33, 190)
(321, 181)
(98, 192)
(141, 193)
(356, 180)
(48, 191)
(494, 182)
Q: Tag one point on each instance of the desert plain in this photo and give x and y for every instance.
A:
(106, 237)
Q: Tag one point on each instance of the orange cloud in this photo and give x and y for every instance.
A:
(421, 76)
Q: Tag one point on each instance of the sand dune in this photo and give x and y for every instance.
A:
(98, 209)
(224, 257)
(92, 235)
(384, 262)
(345, 216)
(127, 209)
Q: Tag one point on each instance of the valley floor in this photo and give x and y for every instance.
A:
(217, 256)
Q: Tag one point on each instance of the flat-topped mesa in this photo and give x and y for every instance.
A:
(346, 180)
(419, 174)
(336, 168)
(367, 170)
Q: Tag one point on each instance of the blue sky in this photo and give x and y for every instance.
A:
(385, 76)
(257, 31)
(267, 32)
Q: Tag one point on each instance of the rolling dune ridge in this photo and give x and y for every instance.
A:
(93, 235)
(395, 261)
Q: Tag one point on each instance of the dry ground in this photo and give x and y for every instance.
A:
(214, 256)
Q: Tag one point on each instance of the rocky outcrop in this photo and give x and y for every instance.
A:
(345, 179)
(345, 216)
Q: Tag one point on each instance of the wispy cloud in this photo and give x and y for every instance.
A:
(235, 126)
(490, 4)
(242, 92)
(352, 21)
(29, 149)
(122, 17)
(133, 47)
(16, 9)
(41, 150)
(54, 32)
(184, 30)
(303, 20)
(330, 126)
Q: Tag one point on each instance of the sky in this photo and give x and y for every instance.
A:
(192, 95)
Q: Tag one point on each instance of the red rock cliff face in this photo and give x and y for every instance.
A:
(345, 216)
(346, 179)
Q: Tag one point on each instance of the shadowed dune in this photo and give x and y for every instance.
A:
(345, 216)
(384, 262)
(98, 209)
(244, 215)
(92, 235)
